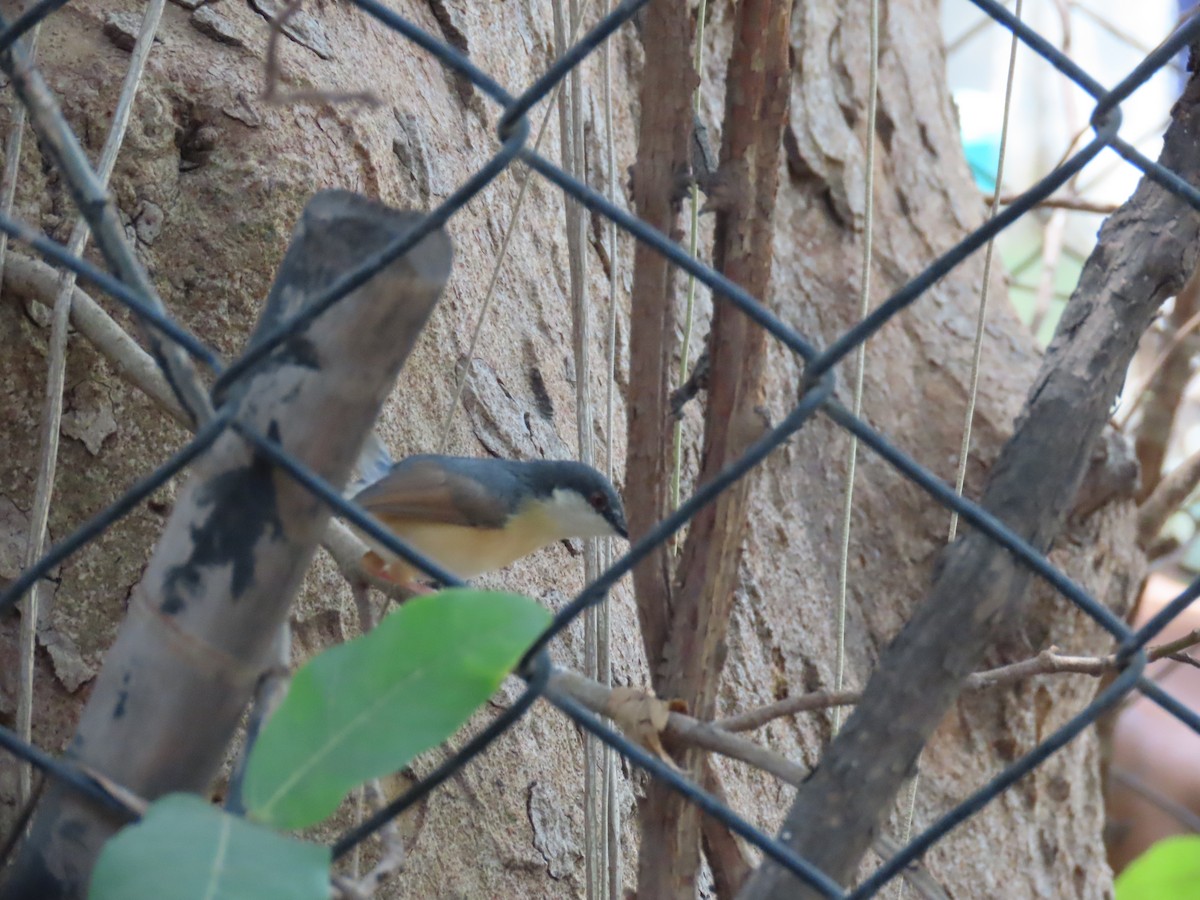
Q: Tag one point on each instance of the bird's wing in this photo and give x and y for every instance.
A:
(427, 491)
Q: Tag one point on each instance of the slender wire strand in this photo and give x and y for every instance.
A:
(612, 809)
(976, 365)
(960, 478)
(27, 638)
(570, 120)
(489, 293)
(860, 356)
(56, 380)
(689, 313)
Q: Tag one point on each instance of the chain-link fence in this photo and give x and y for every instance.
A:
(178, 351)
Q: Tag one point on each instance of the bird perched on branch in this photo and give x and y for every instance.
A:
(474, 515)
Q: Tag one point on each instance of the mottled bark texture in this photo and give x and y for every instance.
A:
(210, 185)
(1143, 255)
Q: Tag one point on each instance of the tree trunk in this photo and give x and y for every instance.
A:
(211, 181)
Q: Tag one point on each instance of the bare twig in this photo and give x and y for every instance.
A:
(1165, 389)
(1048, 662)
(570, 103)
(1155, 797)
(731, 865)
(59, 143)
(273, 72)
(1191, 639)
(12, 154)
(612, 804)
(1170, 494)
(691, 732)
(1072, 204)
(789, 706)
(38, 281)
(27, 639)
(1139, 393)
(663, 154)
(268, 694)
(56, 378)
(391, 860)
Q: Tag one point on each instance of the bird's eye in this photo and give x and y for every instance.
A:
(599, 501)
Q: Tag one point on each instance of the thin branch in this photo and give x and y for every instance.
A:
(727, 857)
(1164, 391)
(1140, 392)
(268, 694)
(273, 72)
(1153, 796)
(12, 154)
(29, 609)
(55, 381)
(394, 851)
(571, 140)
(1073, 204)
(1170, 494)
(789, 706)
(691, 732)
(1191, 639)
(663, 155)
(34, 279)
(60, 144)
(1048, 662)
(1186, 659)
(38, 281)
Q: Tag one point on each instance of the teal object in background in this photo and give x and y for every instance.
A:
(979, 117)
(983, 156)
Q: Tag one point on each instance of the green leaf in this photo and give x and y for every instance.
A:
(1169, 870)
(186, 849)
(367, 707)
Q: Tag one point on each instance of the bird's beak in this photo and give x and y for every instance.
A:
(622, 530)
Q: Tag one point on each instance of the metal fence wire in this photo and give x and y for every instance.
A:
(817, 395)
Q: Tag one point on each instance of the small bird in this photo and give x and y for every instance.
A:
(474, 515)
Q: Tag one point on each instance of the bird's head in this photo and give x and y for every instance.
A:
(579, 500)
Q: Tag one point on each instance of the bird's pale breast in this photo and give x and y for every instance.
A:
(468, 552)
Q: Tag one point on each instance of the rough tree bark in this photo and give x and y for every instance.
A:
(1143, 255)
(211, 182)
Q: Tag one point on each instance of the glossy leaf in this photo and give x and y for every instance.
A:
(367, 707)
(186, 849)
(1169, 869)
